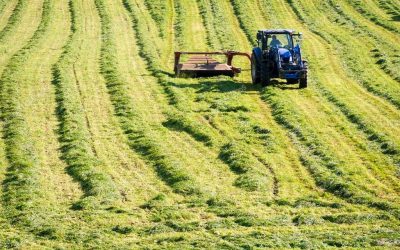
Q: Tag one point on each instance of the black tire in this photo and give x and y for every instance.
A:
(303, 83)
(265, 76)
(292, 81)
(255, 70)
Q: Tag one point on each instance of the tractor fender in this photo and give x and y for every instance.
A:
(257, 52)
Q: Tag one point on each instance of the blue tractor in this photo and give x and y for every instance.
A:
(276, 56)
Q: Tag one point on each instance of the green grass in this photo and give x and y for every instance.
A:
(102, 147)
(77, 150)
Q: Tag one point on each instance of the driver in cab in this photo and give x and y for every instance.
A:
(275, 42)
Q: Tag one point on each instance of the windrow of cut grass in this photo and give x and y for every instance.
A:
(391, 7)
(369, 10)
(83, 164)
(28, 204)
(326, 168)
(20, 186)
(286, 115)
(13, 19)
(198, 199)
(6, 10)
(158, 10)
(139, 136)
(159, 210)
(374, 79)
(382, 40)
(253, 176)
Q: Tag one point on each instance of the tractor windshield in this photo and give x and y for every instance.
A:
(280, 41)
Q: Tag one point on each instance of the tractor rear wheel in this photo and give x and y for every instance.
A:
(265, 76)
(292, 81)
(303, 83)
(255, 70)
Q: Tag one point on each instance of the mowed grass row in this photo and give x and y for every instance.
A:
(14, 18)
(215, 170)
(29, 195)
(83, 164)
(139, 138)
(187, 94)
(391, 7)
(6, 10)
(374, 79)
(364, 119)
(252, 173)
(20, 185)
(384, 41)
(375, 128)
(370, 9)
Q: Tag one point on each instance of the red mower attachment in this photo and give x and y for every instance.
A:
(201, 64)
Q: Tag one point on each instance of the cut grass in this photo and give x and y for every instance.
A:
(289, 153)
(21, 183)
(140, 139)
(77, 150)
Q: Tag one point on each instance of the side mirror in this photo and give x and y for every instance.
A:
(259, 36)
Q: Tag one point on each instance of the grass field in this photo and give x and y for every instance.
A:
(102, 147)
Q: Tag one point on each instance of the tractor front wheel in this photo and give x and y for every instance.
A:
(255, 70)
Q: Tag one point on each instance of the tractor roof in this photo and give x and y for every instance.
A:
(278, 31)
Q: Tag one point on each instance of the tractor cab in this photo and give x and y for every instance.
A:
(278, 55)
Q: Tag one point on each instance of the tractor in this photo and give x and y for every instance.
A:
(276, 56)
